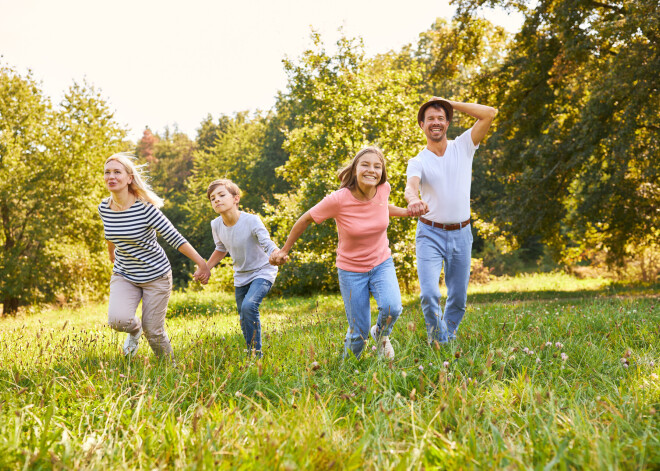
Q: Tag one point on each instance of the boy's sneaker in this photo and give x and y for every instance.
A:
(383, 343)
(131, 344)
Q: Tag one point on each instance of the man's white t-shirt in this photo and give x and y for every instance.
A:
(445, 181)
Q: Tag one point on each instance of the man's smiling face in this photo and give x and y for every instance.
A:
(435, 124)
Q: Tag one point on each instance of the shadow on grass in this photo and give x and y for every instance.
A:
(613, 290)
(220, 304)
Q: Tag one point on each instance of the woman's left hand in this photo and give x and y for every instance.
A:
(202, 274)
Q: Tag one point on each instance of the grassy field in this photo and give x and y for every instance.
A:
(547, 373)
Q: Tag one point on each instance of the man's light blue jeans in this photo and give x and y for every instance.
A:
(248, 300)
(453, 249)
(355, 287)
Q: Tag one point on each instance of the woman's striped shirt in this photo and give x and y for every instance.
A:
(138, 256)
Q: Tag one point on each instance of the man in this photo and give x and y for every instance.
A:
(443, 174)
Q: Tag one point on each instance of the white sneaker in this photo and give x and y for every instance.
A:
(383, 343)
(131, 344)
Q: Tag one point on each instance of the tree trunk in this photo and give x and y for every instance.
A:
(9, 306)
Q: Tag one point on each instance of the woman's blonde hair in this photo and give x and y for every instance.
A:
(138, 187)
(348, 175)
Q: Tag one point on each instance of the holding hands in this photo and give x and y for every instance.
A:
(278, 257)
(417, 208)
(202, 274)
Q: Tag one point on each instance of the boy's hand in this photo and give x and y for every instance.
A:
(278, 257)
(202, 274)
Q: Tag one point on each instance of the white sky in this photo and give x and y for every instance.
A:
(164, 62)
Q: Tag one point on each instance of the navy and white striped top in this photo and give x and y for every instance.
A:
(138, 256)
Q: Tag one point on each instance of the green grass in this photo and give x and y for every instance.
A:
(69, 400)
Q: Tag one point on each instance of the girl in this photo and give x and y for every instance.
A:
(141, 271)
(364, 263)
(245, 237)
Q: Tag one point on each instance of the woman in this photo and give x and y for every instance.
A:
(131, 220)
(364, 263)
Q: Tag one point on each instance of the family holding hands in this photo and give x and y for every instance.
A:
(437, 192)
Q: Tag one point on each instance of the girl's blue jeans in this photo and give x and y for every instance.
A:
(355, 288)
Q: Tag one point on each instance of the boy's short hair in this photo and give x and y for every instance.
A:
(228, 184)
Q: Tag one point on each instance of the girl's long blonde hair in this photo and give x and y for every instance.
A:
(138, 187)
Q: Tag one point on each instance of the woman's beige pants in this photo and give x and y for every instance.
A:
(124, 299)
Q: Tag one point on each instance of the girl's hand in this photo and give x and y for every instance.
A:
(278, 257)
(417, 208)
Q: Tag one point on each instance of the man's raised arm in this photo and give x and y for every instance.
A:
(484, 114)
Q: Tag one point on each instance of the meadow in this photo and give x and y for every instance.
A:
(548, 372)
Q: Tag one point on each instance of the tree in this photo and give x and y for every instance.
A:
(574, 158)
(51, 242)
(146, 146)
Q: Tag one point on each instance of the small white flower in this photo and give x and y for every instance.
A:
(651, 364)
(237, 394)
(526, 350)
(531, 352)
(90, 442)
(559, 345)
(625, 365)
(538, 360)
(548, 344)
(357, 372)
(373, 348)
(421, 368)
(404, 374)
(446, 364)
(564, 357)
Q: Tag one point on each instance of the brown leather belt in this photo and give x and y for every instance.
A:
(446, 227)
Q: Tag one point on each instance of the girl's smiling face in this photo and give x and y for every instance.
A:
(369, 171)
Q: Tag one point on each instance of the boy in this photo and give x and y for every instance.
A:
(245, 237)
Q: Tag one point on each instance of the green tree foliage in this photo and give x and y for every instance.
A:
(574, 159)
(51, 161)
(453, 54)
(246, 151)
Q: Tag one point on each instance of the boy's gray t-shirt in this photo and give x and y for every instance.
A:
(249, 246)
